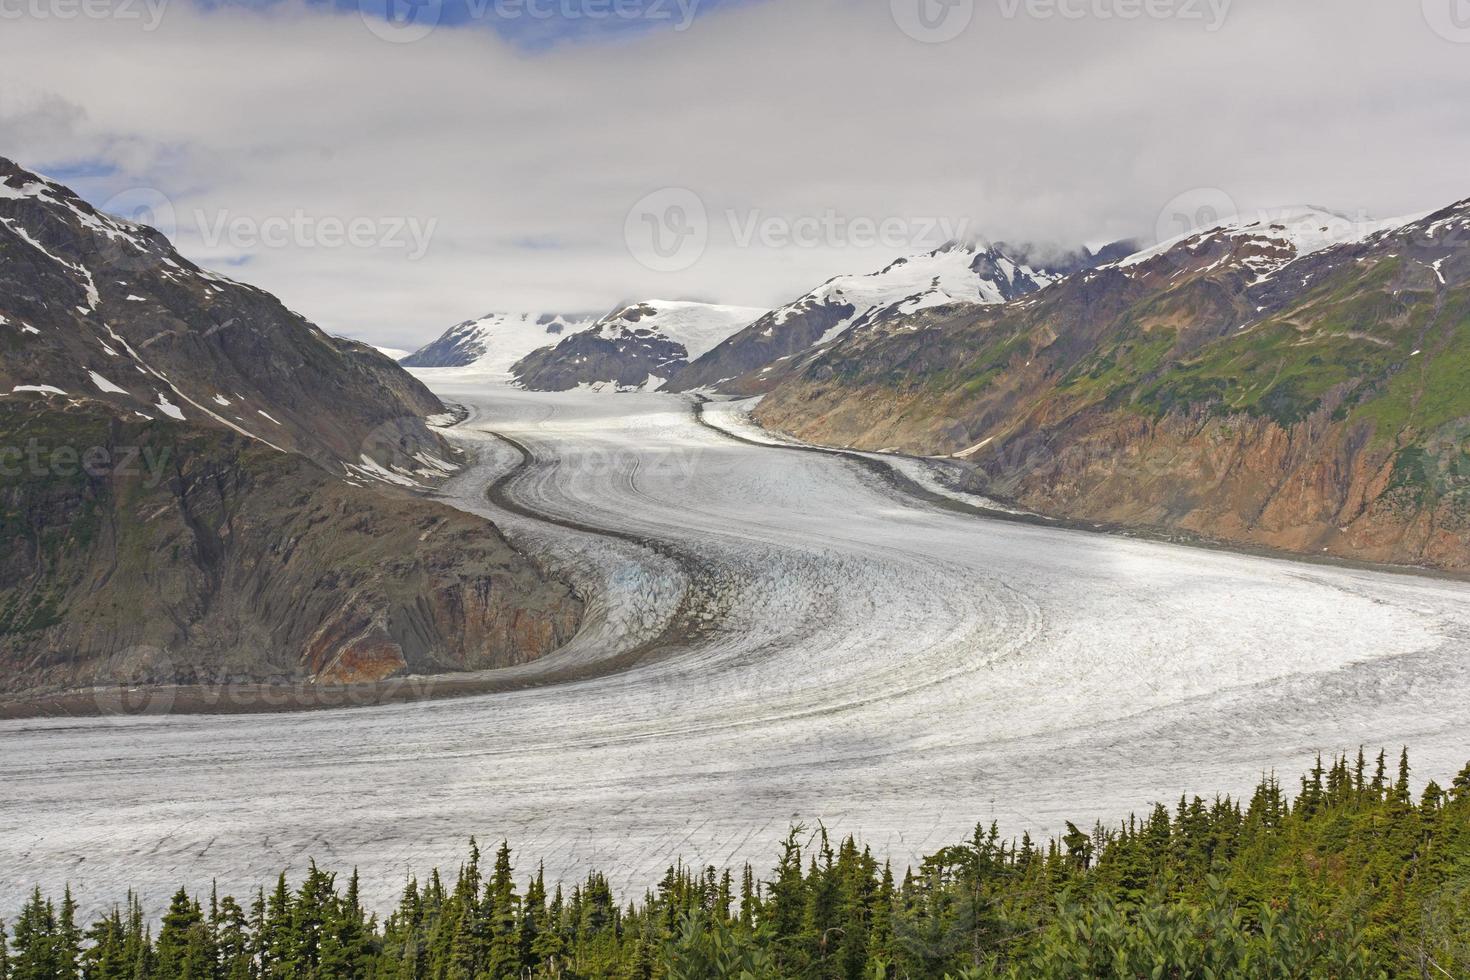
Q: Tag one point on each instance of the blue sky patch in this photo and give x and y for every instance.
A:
(533, 25)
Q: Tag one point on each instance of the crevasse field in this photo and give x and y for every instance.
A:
(812, 643)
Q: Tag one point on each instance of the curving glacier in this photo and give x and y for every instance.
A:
(796, 638)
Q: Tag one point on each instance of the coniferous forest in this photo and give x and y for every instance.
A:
(1346, 875)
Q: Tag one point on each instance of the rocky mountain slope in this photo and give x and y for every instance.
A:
(1296, 382)
(187, 555)
(958, 273)
(637, 346)
(190, 469)
(104, 309)
(496, 341)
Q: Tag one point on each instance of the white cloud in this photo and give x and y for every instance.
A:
(1053, 129)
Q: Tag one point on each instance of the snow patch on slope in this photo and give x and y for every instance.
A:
(104, 385)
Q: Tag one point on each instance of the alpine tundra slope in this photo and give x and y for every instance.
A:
(802, 640)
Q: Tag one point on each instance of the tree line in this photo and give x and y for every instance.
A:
(1348, 877)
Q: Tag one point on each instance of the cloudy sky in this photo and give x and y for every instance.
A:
(391, 169)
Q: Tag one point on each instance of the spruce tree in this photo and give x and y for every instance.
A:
(35, 940)
(68, 938)
(786, 896)
(1460, 786)
(1079, 845)
(233, 940)
(533, 919)
(747, 898)
(258, 953)
(547, 946)
(503, 959)
(276, 939)
(174, 938)
(1401, 785)
(346, 941)
(1380, 778)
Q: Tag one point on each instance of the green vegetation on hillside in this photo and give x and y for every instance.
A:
(1354, 334)
(1432, 390)
(1352, 879)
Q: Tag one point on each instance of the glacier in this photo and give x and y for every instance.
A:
(796, 639)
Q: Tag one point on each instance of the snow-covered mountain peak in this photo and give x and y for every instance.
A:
(638, 346)
(697, 327)
(957, 272)
(108, 243)
(495, 341)
(1265, 242)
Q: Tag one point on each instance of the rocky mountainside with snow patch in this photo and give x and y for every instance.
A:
(1294, 380)
(957, 273)
(637, 346)
(188, 467)
(102, 309)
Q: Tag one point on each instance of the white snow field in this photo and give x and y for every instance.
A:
(839, 651)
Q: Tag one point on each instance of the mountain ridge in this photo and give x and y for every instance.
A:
(494, 342)
(1255, 386)
(637, 346)
(954, 273)
(198, 484)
